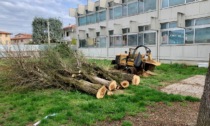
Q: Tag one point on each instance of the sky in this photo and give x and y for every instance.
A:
(16, 16)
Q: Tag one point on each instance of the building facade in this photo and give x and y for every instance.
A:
(5, 38)
(175, 30)
(69, 34)
(22, 38)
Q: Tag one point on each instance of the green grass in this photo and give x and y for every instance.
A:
(76, 108)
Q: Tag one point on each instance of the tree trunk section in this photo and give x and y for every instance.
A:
(204, 111)
(111, 85)
(134, 79)
(125, 84)
(95, 89)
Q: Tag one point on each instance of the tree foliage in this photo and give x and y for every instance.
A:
(40, 30)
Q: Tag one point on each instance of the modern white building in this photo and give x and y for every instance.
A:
(175, 30)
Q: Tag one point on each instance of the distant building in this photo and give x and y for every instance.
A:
(22, 38)
(69, 33)
(176, 31)
(4, 37)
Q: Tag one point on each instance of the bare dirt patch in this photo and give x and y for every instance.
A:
(177, 114)
(192, 86)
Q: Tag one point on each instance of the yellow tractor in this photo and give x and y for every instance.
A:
(134, 62)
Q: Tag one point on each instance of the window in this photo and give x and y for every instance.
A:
(141, 28)
(165, 37)
(82, 43)
(67, 34)
(172, 25)
(132, 40)
(164, 25)
(125, 10)
(146, 37)
(189, 23)
(111, 32)
(168, 3)
(165, 3)
(102, 15)
(149, 39)
(141, 6)
(189, 35)
(118, 12)
(125, 32)
(197, 31)
(102, 42)
(149, 5)
(125, 40)
(188, 1)
(91, 18)
(133, 8)
(116, 41)
(202, 21)
(176, 37)
(202, 35)
(176, 2)
(82, 21)
(144, 28)
(171, 34)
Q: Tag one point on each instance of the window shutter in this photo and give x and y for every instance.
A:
(81, 9)
(92, 32)
(180, 20)
(91, 6)
(102, 31)
(154, 24)
(102, 3)
(133, 27)
(82, 34)
(117, 29)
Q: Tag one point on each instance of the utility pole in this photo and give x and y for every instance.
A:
(48, 31)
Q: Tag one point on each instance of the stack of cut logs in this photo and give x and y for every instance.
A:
(99, 81)
(68, 73)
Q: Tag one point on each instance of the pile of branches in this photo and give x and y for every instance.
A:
(63, 68)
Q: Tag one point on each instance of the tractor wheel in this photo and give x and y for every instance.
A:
(132, 70)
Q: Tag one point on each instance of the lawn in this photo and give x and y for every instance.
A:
(18, 108)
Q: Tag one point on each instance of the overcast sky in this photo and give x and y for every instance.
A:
(16, 16)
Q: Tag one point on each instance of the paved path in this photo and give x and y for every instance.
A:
(192, 86)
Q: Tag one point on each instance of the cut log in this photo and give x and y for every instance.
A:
(134, 79)
(95, 89)
(111, 85)
(109, 93)
(124, 84)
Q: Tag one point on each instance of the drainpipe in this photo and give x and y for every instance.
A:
(107, 30)
(159, 31)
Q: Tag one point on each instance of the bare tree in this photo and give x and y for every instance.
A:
(204, 112)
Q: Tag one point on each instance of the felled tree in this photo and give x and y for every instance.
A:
(204, 112)
(40, 30)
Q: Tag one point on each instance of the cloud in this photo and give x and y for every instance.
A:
(17, 16)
